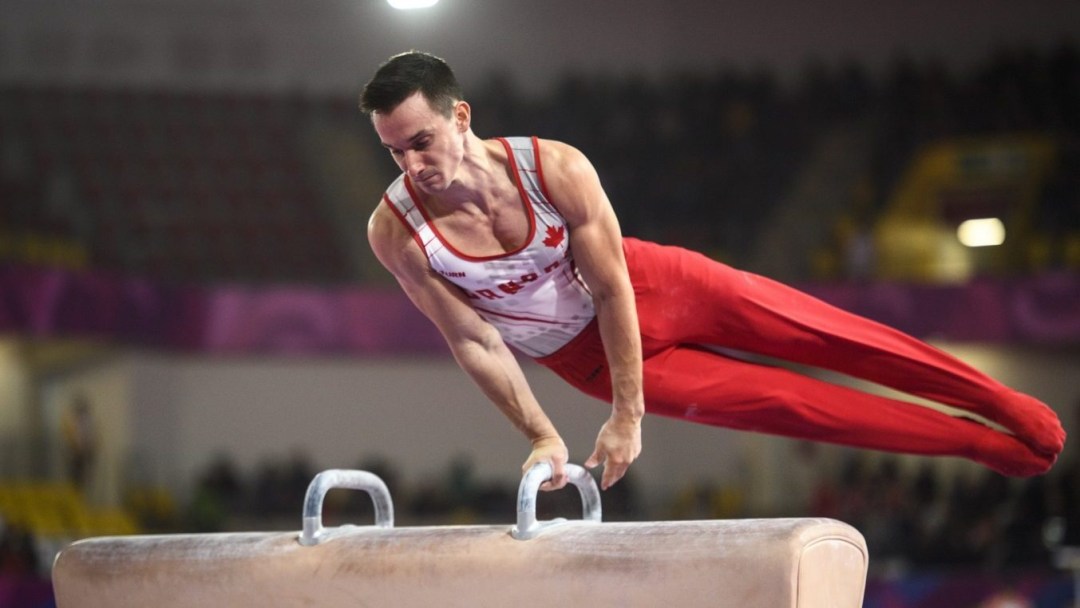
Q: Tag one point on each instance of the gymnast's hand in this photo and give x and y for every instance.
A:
(553, 451)
(617, 445)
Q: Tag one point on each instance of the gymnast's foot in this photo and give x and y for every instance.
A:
(1033, 422)
(1008, 455)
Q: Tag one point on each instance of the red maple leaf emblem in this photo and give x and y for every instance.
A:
(555, 236)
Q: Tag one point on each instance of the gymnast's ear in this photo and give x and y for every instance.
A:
(462, 116)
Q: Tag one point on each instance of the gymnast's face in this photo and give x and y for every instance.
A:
(427, 145)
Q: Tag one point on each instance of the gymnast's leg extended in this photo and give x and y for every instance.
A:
(699, 385)
(758, 315)
(685, 300)
(711, 388)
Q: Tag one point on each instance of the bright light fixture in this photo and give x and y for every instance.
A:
(411, 4)
(983, 232)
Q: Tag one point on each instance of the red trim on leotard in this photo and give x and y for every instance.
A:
(540, 169)
(543, 189)
(401, 217)
(525, 203)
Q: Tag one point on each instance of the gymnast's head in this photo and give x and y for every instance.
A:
(407, 73)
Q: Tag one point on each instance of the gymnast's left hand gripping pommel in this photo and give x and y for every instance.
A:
(527, 525)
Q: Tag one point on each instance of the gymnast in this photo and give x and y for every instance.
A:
(512, 242)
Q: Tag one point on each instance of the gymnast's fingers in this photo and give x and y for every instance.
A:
(613, 472)
(559, 476)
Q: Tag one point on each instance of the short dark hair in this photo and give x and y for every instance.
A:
(405, 74)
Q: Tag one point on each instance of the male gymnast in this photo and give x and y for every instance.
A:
(512, 242)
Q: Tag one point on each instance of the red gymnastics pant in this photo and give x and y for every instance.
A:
(687, 303)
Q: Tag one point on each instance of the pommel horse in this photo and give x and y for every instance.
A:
(748, 563)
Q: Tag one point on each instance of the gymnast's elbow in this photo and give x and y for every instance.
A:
(477, 344)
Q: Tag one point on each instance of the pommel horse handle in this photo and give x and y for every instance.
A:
(527, 527)
(313, 532)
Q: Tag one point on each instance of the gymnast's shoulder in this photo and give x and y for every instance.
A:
(390, 240)
(558, 157)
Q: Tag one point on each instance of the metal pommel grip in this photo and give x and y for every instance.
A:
(313, 531)
(527, 526)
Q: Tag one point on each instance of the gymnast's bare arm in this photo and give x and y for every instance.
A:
(596, 241)
(475, 343)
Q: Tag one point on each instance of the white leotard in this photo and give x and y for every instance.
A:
(533, 295)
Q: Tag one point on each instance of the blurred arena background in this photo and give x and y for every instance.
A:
(192, 325)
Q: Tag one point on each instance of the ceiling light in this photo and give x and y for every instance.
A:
(983, 232)
(411, 4)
